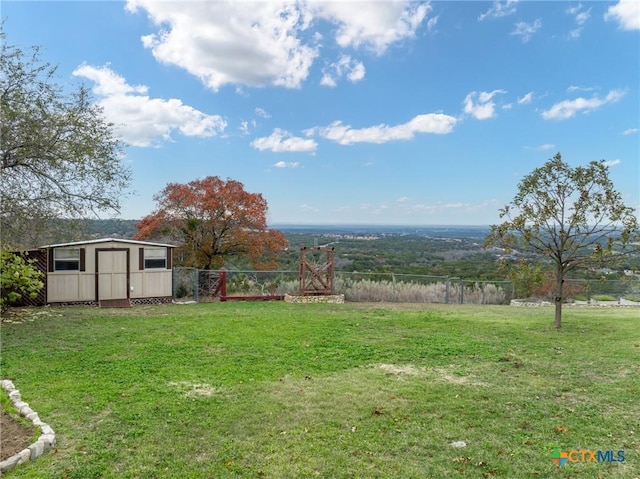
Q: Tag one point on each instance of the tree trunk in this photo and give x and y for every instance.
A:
(558, 300)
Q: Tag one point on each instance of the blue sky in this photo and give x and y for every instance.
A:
(376, 112)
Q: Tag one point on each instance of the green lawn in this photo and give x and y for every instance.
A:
(274, 390)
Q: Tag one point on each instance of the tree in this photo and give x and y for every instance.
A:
(213, 220)
(18, 278)
(59, 157)
(573, 216)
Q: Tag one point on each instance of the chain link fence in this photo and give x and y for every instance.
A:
(190, 284)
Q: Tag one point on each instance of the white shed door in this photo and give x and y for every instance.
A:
(112, 275)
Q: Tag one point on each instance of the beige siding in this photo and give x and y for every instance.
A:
(151, 283)
(136, 282)
(157, 283)
(70, 286)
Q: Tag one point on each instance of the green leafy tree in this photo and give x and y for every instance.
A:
(18, 278)
(524, 275)
(573, 216)
(59, 157)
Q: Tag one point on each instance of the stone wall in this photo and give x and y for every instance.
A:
(334, 299)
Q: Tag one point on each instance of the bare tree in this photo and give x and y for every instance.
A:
(573, 216)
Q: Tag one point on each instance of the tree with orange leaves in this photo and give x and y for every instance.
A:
(213, 221)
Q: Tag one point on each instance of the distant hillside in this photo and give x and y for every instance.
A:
(110, 228)
(62, 231)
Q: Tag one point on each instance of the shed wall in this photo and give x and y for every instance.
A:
(81, 286)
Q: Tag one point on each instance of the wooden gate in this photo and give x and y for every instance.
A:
(316, 270)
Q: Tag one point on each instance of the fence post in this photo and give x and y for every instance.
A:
(196, 284)
(174, 282)
(223, 284)
(446, 291)
(462, 291)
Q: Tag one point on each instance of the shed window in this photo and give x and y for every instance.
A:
(67, 259)
(155, 258)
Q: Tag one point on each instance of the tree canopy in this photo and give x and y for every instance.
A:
(572, 216)
(213, 221)
(59, 157)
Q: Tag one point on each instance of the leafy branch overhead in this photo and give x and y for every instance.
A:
(213, 221)
(59, 157)
(573, 216)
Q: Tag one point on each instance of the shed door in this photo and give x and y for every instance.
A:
(113, 274)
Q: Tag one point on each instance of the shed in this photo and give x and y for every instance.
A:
(109, 272)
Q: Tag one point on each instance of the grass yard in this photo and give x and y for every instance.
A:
(275, 390)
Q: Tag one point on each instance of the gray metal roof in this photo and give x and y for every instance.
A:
(106, 240)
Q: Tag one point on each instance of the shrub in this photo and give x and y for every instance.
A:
(18, 277)
(547, 288)
(603, 297)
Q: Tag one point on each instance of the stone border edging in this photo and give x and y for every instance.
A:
(45, 442)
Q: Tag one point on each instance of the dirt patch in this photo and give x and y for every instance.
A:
(194, 390)
(14, 436)
(446, 375)
(400, 371)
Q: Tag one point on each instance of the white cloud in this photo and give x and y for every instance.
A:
(107, 82)
(448, 207)
(500, 9)
(524, 100)
(581, 17)
(376, 25)
(251, 43)
(546, 147)
(245, 126)
(283, 141)
(284, 164)
(575, 33)
(480, 105)
(626, 13)
(630, 131)
(308, 208)
(431, 23)
(266, 43)
(568, 108)
(611, 163)
(143, 121)
(573, 88)
(345, 66)
(436, 123)
(328, 80)
(526, 30)
(262, 113)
